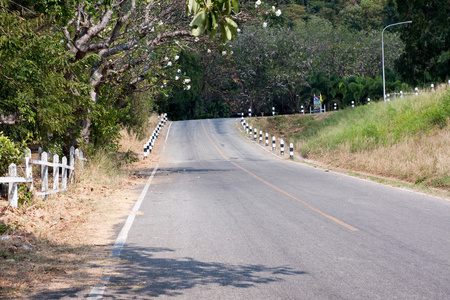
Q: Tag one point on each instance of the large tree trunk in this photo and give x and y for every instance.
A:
(86, 125)
(86, 131)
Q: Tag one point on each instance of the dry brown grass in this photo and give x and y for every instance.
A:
(69, 236)
(419, 159)
(133, 141)
(422, 158)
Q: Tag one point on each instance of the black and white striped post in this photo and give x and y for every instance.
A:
(302, 110)
(274, 141)
(250, 132)
(335, 106)
(267, 139)
(148, 147)
(282, 147)
(260, 136)
(246, 128)
(255, 134)
(273, 111)
(291, 151)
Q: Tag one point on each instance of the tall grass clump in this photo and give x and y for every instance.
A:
(107, 167)
(102, 168)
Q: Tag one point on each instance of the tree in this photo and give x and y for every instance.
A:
(220, 86)
(132, 38)
(185, 101)
(427, 40)
(34, 65)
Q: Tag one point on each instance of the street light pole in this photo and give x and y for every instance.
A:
(382, 54)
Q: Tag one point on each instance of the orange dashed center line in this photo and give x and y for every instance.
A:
(336, 220)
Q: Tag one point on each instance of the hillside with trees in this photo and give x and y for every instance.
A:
(287, 51)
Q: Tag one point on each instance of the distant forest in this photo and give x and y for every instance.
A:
(287, 51)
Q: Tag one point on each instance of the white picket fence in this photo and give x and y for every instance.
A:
(59, 183)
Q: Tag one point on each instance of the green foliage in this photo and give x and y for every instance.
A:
(105, 126)
(25, 194)
(367, 15)
(293, 14)
(285, 67)
(441, 182)
(3, 229)
(9, 153)
(367, 126)
(439, 115)
(135, 110)
(427, 39)
(56, 90)
(211, 17)
(185, 102)
(34, 79)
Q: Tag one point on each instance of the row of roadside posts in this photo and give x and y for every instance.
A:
(253, 134)
(392, 95)
(148, 146)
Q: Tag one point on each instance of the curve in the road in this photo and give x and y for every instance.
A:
(340, 222)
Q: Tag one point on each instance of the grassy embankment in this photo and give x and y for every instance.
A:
(407, 139)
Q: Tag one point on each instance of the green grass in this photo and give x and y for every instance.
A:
(406, 139)
(382, 123)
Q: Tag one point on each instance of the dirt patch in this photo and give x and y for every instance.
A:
(62, 246)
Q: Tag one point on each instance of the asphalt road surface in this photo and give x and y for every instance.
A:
(225, 219)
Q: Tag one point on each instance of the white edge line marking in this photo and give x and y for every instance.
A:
(167, 136)
(316, 165)
(98, 291)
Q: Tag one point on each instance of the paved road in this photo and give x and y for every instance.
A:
(224, 219)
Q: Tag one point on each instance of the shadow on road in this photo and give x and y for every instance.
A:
(142, 275)
(151, 276)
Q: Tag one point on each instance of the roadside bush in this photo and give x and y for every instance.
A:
(9, 153)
